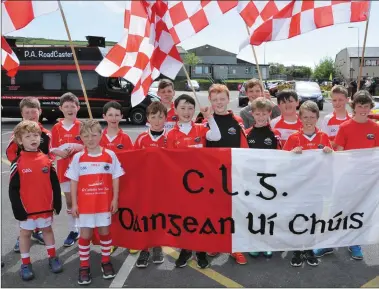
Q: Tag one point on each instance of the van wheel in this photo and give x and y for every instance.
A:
(138, 116)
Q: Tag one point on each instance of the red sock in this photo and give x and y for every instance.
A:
(84, 248)
(25, 258)
(106, 245)
(51, 251)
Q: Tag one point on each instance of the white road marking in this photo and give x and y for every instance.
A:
(124, 271)
(7, 132)
(5, 172)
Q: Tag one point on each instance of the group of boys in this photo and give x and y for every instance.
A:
(88, 170)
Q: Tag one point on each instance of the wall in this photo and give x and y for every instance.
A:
(218, 59)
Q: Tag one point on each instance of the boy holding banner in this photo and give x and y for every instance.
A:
(309, 137)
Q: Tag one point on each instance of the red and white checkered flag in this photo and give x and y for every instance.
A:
(9, 60)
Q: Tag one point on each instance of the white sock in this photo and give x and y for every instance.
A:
(72, 222)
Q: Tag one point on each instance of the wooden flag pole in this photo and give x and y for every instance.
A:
(363, 56)
(76, 60)
(189, 82)
(255, 57)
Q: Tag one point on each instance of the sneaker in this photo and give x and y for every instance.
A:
(202, 261)
(2, 264)
(240, 258)
(84, 276)
(311, 258)
(37, 236)
(254, 254)
(322, 252)
(71, 238)
(267, 254)
(297, 259)
(26, 272)
(143, 259)
(131, 251)
(55, 265)
(108, 271)
(16, 247)
(113, 249)
(184, 256)
(158, 255)
(356, 252)
(212, 254)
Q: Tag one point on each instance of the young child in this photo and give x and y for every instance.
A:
(332, 121)
(308, 138)
(358, 133)
(254, 89)
(289, 122)
(65, 143)
(94, 174)
(30, 110)
(166, 92)
(154, 137)
(187, 134)
(34, 202)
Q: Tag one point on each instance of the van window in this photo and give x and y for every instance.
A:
(52, 81)
(90, 79)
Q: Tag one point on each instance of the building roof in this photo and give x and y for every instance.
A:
(209, 50)
(369, 51)
(181, 49)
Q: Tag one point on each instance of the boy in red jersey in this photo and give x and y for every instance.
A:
(308, 138)
(94, 174)
(166, 92)
(30, 110)
(332, 121)
(288, 122)
(34, 205)
(113, 137)
(65, 143)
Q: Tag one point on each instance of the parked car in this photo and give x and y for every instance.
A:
(154, 87)
(307, 90)
(195, 85)
(374, 114)
(243, 100)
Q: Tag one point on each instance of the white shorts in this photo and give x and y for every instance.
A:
(65, 187)
(40, 223)
(95, 220)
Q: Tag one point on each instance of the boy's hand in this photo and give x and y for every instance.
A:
(327, 150)
(63, 154)
(114, 206)
(75, 211)
(267, 95)
(297, 150)
(206, 111)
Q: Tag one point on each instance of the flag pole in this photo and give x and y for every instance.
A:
(255, 57)
(76, 60)
(363, 55)
(190, 84)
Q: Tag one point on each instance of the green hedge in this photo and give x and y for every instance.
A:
(232, 84)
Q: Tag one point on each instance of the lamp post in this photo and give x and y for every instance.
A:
(353, 27)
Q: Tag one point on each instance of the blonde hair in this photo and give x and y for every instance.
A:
(309, 106)
(30, 102)
(218, 88)
(261, 103)
(90, 125)
(26, 126)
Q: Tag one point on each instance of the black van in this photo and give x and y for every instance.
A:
(46, 72)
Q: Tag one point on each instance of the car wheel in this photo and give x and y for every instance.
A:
(240, 104)
(321, 106)
(138, 116)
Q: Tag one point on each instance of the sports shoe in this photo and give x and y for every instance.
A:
(55, 265)
(322, 252)
(297, 259)
(16, 247)
(132, 251)
(267, 254)
(108, 271)
(2, 264)
(212, 254)
(113, 249)
(184, 256)
(356, 252)
(158, 255)
(26, 272)
(71, 238)
(254, 254)
(84, 276)
(240, 258)
(37, 236)
(143, 259)
(311, 258)
(202, 261)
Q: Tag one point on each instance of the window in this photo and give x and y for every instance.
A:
(90, 80)
(52, 81)
(247, 70)
(198, 69)
(206, 69)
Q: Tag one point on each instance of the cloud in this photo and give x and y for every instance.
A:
(115, 6)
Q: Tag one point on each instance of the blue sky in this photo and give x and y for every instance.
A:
(105, 18)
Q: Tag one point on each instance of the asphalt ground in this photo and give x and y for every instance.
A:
(337, 270)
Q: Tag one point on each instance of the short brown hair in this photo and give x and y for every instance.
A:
(310, 106)
(156, 107)
(261, 103)
(68, 97)
(24, 127)
(218, 88)
(30, 102)
(163, 83)
(362, 97)
(339, 89)
(253, 82)
(89, 126)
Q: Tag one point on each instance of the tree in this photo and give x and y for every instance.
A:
(324, 68)
(276, 68)
(191, 59)
(299, 71)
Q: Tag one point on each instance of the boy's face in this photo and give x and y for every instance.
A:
(362, 111)
(309, 120)
(185, 111)
(254, 92)
(30, 141)
(113, 117)
(219, 102)
(288, 107)
(166, 94)
(69, 110)
(261, 117)
(31, 114)
(156, 121)
(91, 139)
(339, 101)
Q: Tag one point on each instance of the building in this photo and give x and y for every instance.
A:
(220, 65)
(347, 62)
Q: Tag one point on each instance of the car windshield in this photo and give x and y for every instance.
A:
(154, 84)
(194, 82)
(308, 87)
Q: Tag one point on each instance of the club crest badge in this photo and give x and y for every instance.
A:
(106, 167)
(120, 146)
(232, 131)
(197, 139)
(78, 137)
(371, 136)
(45, 170)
